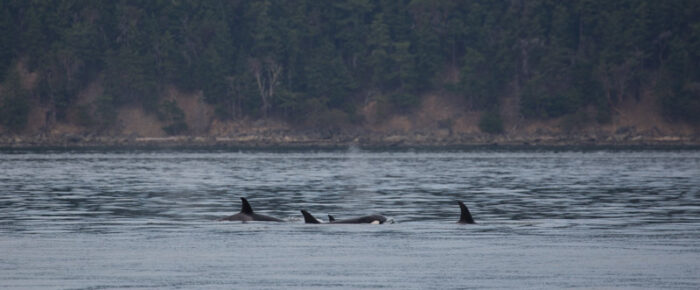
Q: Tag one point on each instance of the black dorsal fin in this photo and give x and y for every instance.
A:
(308, 218)
(466, 217)
(331, 219)
(245, 206)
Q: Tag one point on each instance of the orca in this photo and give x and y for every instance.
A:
(466, 216)
(368, 219)
(246, 214)
(309, 219)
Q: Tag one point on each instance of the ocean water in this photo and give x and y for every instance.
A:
(147, 219)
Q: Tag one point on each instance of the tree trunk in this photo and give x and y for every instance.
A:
(266, 75)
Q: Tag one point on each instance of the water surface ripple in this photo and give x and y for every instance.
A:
(546, 219)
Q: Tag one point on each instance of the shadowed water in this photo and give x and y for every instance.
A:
(546, 219)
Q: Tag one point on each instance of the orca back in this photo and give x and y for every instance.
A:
(368, 219)
(246, 214)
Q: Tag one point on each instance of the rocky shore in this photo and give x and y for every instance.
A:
(319, 139)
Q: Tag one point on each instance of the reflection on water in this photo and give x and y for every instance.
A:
(547, 219)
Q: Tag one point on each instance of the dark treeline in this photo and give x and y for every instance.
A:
(319, 61)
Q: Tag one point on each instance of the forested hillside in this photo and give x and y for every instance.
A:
(317, 62)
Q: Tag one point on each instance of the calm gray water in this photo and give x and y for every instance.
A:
(147, 219)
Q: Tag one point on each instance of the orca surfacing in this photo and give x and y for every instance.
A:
(246, 214)
(368, 219)
(466, 216)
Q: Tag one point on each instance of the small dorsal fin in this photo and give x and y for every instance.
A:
(245, 206)
(466, 217)
(331, 219)
(308, 218)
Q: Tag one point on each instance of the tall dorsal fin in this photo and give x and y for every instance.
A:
(245, 206)
(466, 217)
(331, 219)
(308, 218)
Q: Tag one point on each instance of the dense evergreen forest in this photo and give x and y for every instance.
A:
(305, 59)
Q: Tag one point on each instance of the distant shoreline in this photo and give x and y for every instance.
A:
(301, 141)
